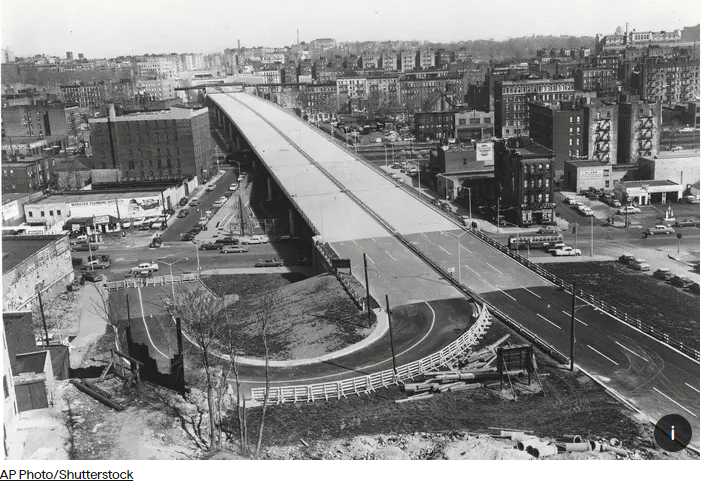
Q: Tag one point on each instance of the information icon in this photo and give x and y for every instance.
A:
(673, 433)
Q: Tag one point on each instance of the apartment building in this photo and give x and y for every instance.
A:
(386, 87)
(558, 126)
(390, 61)
(158, 89)
(601, 79)
(670, 81)
(353, 87)
(159, 67)
(639, 128)
(425, 58)
(407, 60)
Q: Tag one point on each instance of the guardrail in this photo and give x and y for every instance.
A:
(155, 281)
(383, 379)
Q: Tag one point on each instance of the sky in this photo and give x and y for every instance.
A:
(113, 28)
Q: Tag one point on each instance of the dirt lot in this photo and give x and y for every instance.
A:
(305, 322)
(666, 307)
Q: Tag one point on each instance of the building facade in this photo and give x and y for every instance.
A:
(601, 79)
(670, 81)
(581, 175)
(639, 127)
(473, 125)
(390, 61)
(352, 87)
(159, 67)
(158, 89)
(601, 131)
(407, 60)
(525, 172)
(173, 143)
(558, 127)
(511, 99)
(85, 95)
(27, 174)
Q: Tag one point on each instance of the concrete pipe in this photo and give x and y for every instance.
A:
(618, 451)
(577, 447)
(511, 434)
(595, 446)
(570, 439)
(615, 442)
(526, 444)
(542, 449)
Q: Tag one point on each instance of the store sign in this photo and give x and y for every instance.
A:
(591, 173)
(539, 206)
(101, 219)
(89, 203)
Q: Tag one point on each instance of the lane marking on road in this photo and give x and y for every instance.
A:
(445, 251)
(472, 270)
(355, 242)
(597, 351)
(468, 250)
(424, 235)
(675, 402)
(390, 255)
(369, 259)
(630, 351)
(365, 367)
(532, 292)
(548, 320)
(502, 291)
(568, 315)
(495, 269)
(373, 239)
(143, 318)
(692, 388)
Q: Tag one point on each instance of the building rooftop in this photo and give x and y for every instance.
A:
(16, 249)
(101, 196)
(637, 184)
(677, 154)
(174, 112)
(23, 160)
(8, 197)
(587, 163)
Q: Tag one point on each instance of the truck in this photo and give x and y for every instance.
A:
(144, 267)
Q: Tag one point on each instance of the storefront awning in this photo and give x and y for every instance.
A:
(91, 221)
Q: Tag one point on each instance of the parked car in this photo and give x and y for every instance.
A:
(548, 229)
(567, 251)
(210, 187)
(158, 224)
(77, 261)
(687, 222)
(614, 202)
(639, 265)
(183, 201)
(286, 238)
(211, 246)
(233, 248)
(694, 288)
(169, 212)
(233, 187)
(93, 277)
(268, 263)
(691, 200)
(630, 210)
(87, 246)
(626, 259)
(80, 239)
(585, 210)
(663, 274)
(187, 236)
(229, 194)
(251, 240)
(139, 274)
(227, 241)
(97, 264)
(195, 202)
(570, 200)
(183, 213)
(681, 281)
(144, 267)
(138, 222)
(660, 229)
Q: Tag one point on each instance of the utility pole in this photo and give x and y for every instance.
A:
(469, 203)
(43, 317)
(367, 290)
(391, 336)
(574, 300)
(591, 253)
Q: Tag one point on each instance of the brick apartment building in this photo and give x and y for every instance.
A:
(559, 127)
(525, 172)
(639, 128)
(152, 145)
(669, 81)
(27, 174)
(35, 120)
(473, 125)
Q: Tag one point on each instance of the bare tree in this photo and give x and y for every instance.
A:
(202, 315)
(264, 311)
(109, 308)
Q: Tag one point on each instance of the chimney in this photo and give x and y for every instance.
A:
(239, 42)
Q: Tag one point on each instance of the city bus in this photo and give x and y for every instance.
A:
(532, 240)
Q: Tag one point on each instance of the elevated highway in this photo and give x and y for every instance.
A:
(334, 190)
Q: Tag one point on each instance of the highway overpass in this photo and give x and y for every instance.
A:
(355, 208)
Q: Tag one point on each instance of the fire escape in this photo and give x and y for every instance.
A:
(602, 140)
(645, 135)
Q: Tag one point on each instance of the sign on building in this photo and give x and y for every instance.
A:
(485, 152)
(101, 219)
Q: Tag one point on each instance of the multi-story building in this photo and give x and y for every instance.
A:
(370, 61)
(434, 125)
(601, 131)
(619, 42)
(511, 98)
(158, 89)
(87, 96)
(159, 67)
(390, 61)
(272, 75)
(407, 60)
(425, 58)
(473, 125)
(27, 174)
(669, 81)
(525, 172)
(162, 144)
(560, 127)
(601, 79)
(306, 71)
(316, 98)
(35, 120)
(8, 56)
(386, 88)
(443, 58)
(639, 126)
(328, 75)
(353, 87)
(416, 91)
(290, 73)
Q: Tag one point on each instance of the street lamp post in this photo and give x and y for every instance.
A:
(459, 256)
(469, 202)
(170, 266)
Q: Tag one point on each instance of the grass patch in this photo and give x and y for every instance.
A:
(249, 284)
(674, 311)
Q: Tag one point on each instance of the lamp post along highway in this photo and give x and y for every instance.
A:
(574, 300)
(391, 336)
(170, 266)
(459, 254)
(367, 290)
(591, 252)
(469, 203)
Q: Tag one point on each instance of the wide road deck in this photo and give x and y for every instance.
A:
(653, 376)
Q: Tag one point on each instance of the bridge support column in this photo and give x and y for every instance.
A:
(270, 189)
(291, 215)
(232, 132)
(238, 143)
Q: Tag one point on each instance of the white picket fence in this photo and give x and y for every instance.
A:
(155, 281)
(370, 383)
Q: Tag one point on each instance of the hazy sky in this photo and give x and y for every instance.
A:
(110, 28)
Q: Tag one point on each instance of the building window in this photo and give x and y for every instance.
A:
(570, 140)
(43, 214)
(525, 184)
(5, 387)
(487, 120)
(51, 213)
(607, 184)
(31, 214)
(58, 212)
(577, 141)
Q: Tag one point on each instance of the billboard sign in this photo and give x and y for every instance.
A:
(101, 219)
(485, 152)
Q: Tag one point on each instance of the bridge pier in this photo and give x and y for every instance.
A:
(270, 189)
(291, 216)
(238, 143)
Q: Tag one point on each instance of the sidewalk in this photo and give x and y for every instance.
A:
(281, 270)
(92, 322)
(42, 434)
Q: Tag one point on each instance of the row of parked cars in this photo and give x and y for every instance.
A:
(663, 274)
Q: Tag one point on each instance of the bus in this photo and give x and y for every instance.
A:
(24, 229)
(532, 240)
